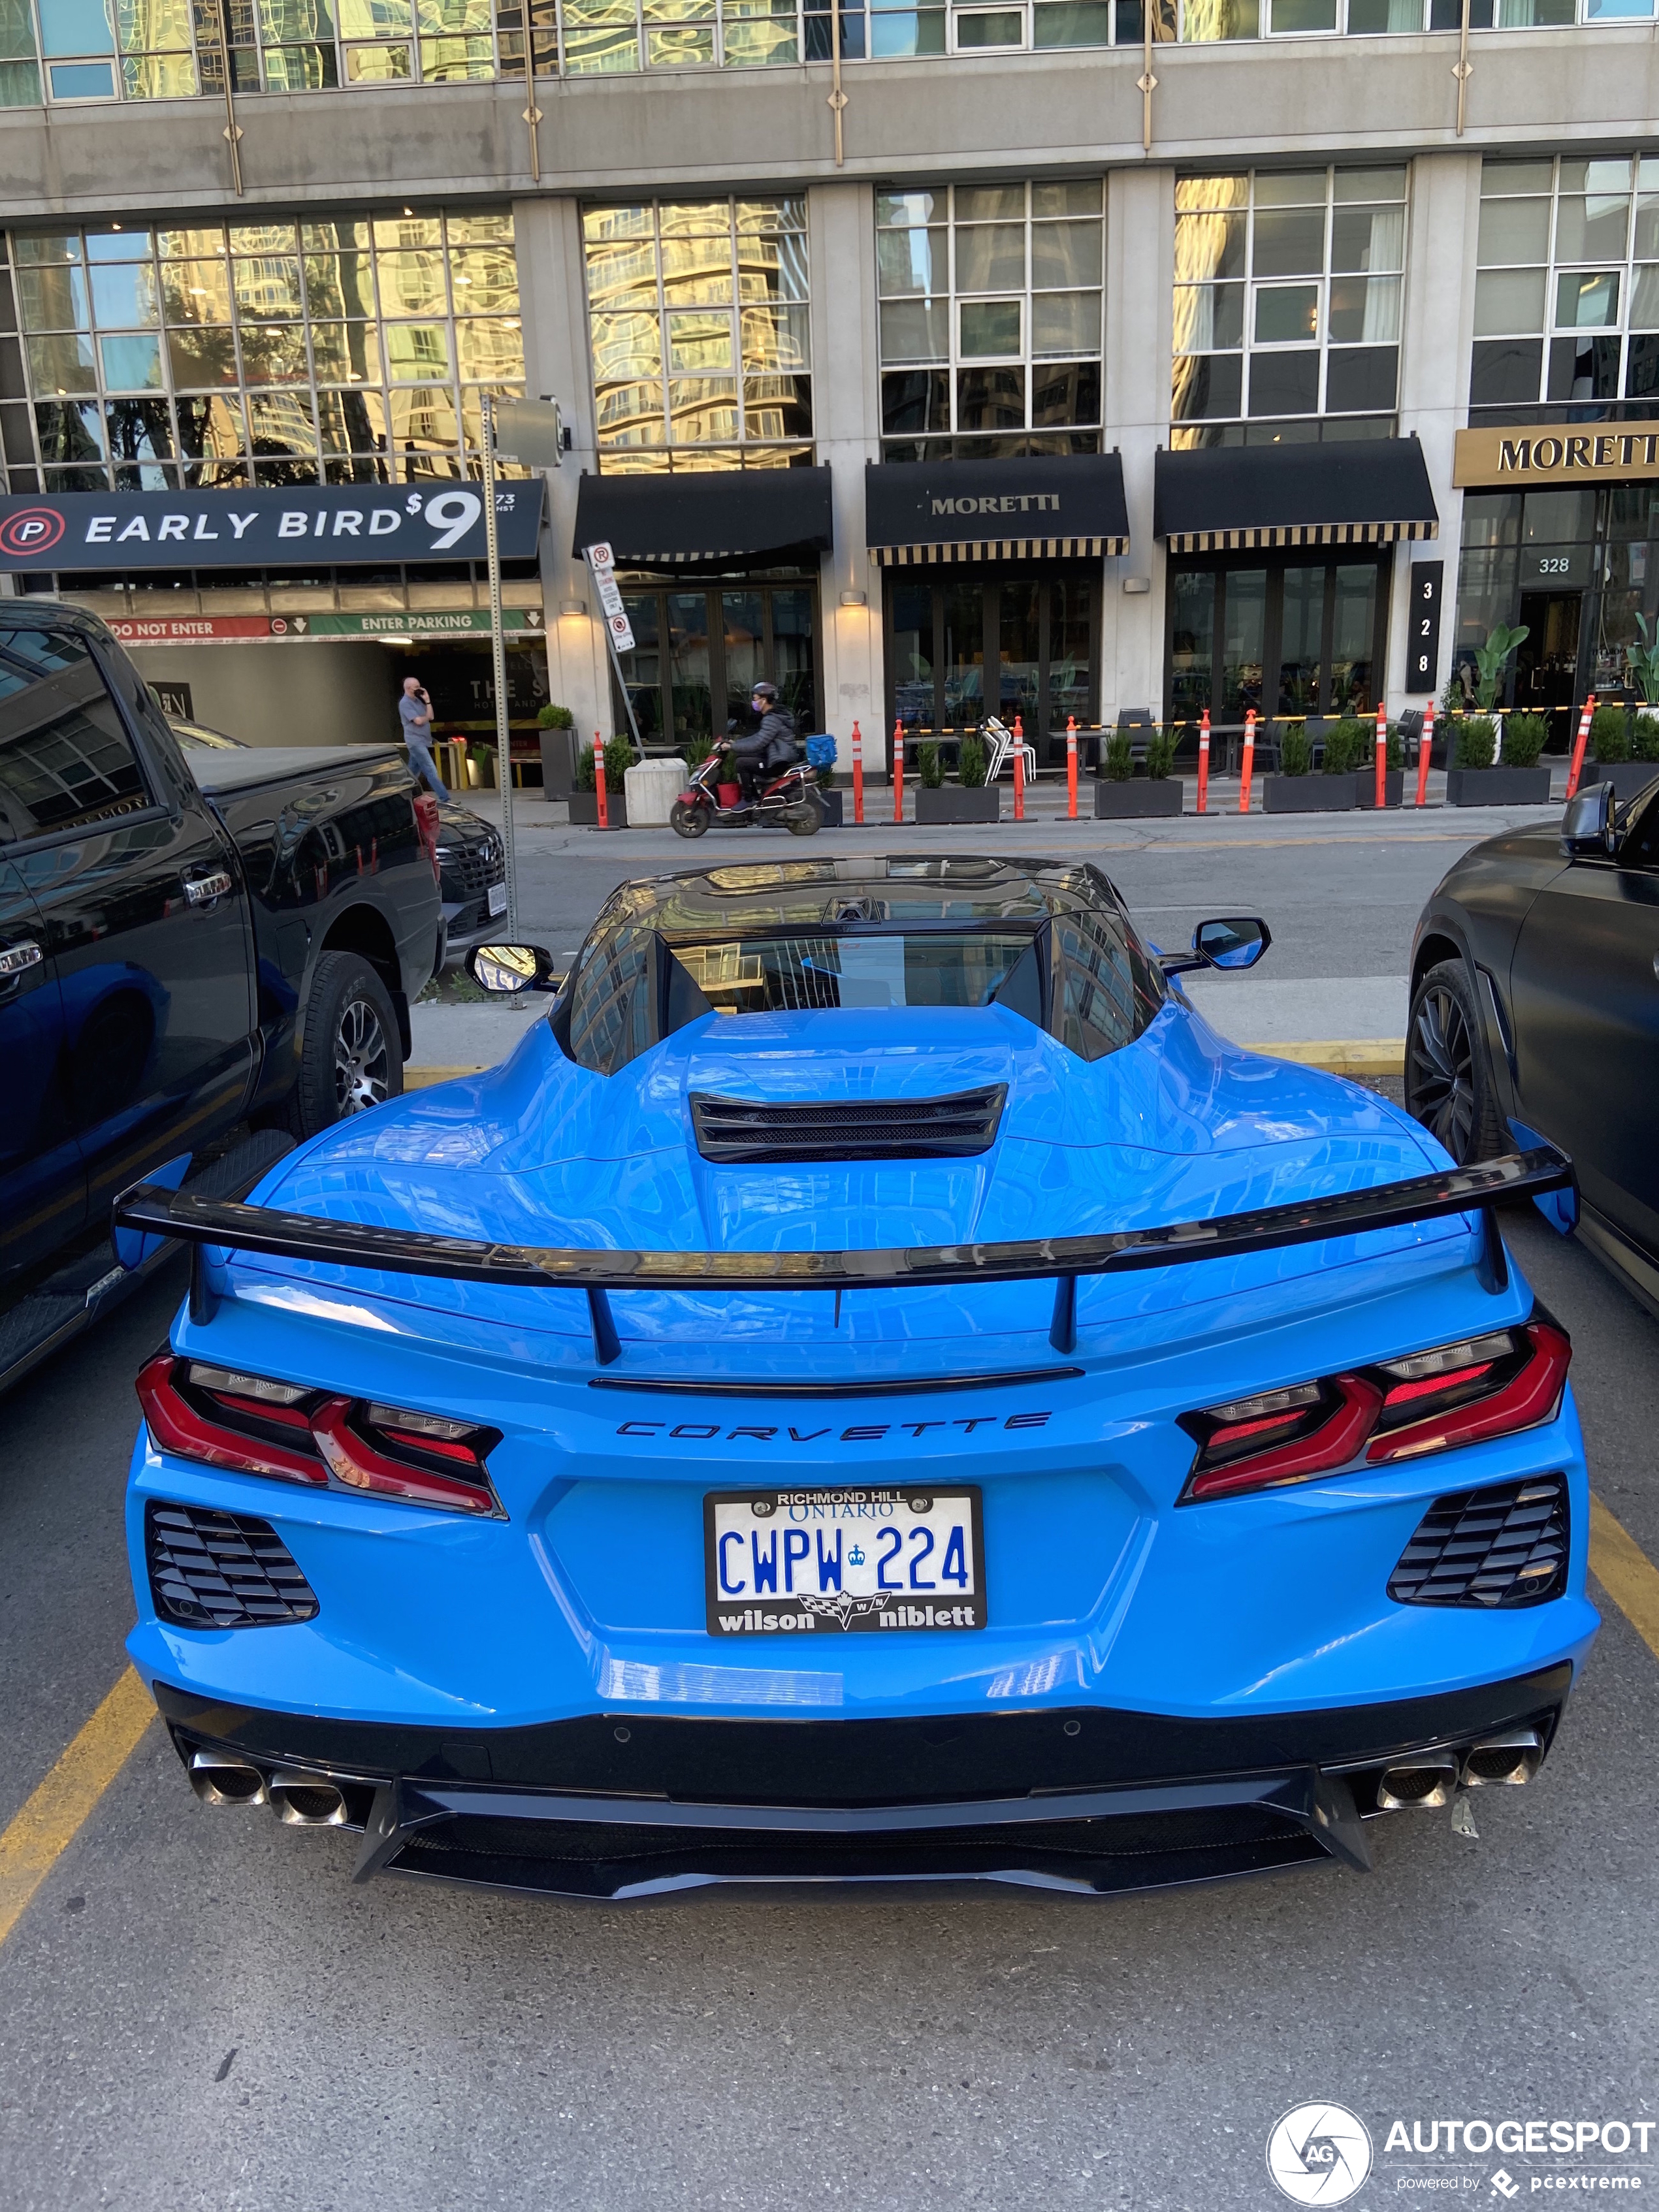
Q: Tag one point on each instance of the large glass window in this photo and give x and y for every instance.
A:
(1287, 305)
(338, 349)
(1566, 296)
(1291, 636)
(699, 650)
(960, 646)
(698, 322)
(990, 299)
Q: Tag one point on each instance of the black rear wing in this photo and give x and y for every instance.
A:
(152, 1209)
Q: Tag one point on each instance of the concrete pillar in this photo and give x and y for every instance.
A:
(846, 414)
(1139, 332)
(1436, 336)
(552, 300)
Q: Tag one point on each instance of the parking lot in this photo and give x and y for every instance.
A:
(198, 2009)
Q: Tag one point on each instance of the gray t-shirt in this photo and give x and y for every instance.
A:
(416, 718)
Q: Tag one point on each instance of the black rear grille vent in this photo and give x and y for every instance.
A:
(1503, 1547)
(743, 1130)
(210, 1570)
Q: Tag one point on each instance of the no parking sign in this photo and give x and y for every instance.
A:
(622, 633)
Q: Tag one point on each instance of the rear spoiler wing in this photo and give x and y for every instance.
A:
(151, 1208)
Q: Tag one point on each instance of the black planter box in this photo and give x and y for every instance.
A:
(558, 763)
(957, 802)
(1498, 786)
(1626, 777)
(1136, 797)
(1365, 787)
(585, 810)
(830, 807)
(1307, 794)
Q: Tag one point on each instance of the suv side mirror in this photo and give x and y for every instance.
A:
(1237, 942)
(506, 970)
(1586, 826)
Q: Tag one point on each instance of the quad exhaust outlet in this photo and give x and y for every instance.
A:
(1422, 1783)
(307, 1801)
(1503, 1761)
(219, 1780)
(1431, 1778)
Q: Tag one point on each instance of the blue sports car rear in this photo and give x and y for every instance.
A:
(874, 1389)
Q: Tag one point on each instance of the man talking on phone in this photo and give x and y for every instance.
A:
(414, 713)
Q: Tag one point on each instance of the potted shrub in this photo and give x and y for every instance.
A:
(585, 799)
(558, 726)
(1121, 795)
(1472, 780)
(968, 800)
(1609, 755)
(1364, 778)
(1296, 789)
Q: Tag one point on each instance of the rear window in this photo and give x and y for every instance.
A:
(65, 758)
(787, 974)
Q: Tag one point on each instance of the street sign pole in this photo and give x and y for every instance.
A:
(618, 631)
(498, 658)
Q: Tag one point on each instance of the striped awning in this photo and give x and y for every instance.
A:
(1242, 499)
(703, 517)
(999, 549)
(917, 514)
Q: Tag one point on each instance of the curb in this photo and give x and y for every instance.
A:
(1339, 1055)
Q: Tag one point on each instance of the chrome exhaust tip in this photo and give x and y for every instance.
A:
(218, 1779)
(307, 1801)
(1503, 1761)
(1421, 1784)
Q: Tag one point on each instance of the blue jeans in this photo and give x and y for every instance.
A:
(421, 760)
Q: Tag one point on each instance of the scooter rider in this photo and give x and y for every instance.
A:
(771, 746)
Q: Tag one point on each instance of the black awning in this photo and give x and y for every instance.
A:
(1053, 508)
(1224, 499)
(718, 514)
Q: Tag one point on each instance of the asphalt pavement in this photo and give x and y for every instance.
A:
(198, 2011)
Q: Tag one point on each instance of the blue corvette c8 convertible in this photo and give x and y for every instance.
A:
(874, 1389)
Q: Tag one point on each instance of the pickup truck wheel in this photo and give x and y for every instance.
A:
(1448, 1078)
(350, 1059)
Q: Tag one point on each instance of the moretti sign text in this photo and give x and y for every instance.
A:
(1554, 456)
(342, 524)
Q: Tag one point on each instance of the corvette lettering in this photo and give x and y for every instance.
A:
(706, 1431)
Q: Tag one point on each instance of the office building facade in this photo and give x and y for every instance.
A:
(1061, 359)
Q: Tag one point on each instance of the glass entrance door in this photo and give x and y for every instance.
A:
(1546, 663)
(971, 641)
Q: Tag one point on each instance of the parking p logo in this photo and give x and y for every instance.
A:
(31, 530)
(1319, 2153)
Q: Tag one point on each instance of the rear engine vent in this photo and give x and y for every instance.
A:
(1506, 1545)
(743, 1130)
(210, 1570)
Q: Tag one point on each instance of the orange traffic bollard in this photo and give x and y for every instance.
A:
(1583, 739)
(858, 777)
(1382, 755)
(1249, 768)
(1425, 752)
(1204, 762)
(898, 771)
(598, 779)
(1070, 768)
(1019, 770)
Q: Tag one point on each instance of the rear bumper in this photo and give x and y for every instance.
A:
(1085, 1800)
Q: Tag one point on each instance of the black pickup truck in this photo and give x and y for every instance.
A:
(187, 953)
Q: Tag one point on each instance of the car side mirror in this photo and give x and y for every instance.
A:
(1239, 941)
(506, 970)
(1586, 826)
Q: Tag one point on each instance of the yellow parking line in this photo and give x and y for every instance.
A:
(421, 1079)
(1343, 1055)
(44, 1829)
(1625, 1573)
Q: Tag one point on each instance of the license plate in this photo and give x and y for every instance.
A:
(498, 898)
(885, 1561)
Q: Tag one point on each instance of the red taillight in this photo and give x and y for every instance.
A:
(250, 1426)
(428, 821)
(1461, 1394)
